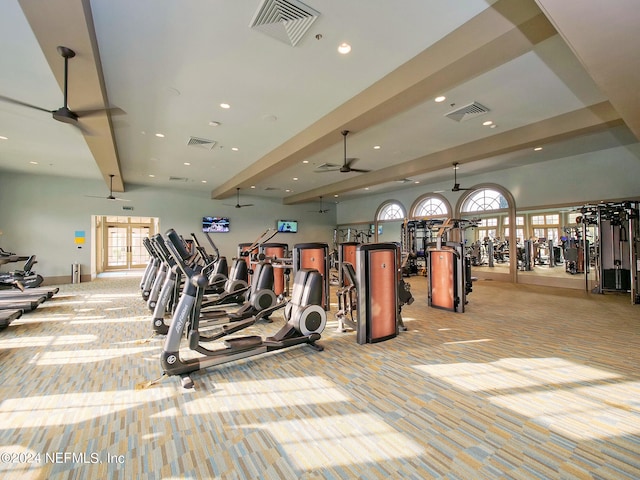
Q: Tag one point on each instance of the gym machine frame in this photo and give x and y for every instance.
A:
(449, 270)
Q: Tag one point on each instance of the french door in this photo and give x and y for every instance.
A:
(123, 242)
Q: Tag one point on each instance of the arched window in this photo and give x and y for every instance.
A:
(430, 206)
(483, 200)
(391, 210)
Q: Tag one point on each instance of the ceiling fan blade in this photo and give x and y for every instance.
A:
(91, 112)
(23, 104)
(109, 197)
(359, 170)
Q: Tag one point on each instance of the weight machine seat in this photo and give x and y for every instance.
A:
(349, 274)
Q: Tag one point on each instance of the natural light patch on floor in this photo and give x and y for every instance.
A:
(553, 394)
(479, 340)
(277, 393)
(509, 373)
(583, 413)
(66, 357)
(349, 439)
(114, 295)
(27, 465)
(103, 320)
(31, 342)
(73, 408)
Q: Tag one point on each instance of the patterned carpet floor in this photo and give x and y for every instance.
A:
(529, 383)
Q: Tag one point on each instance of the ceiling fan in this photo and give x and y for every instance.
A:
(64, 114)
(238, 205)
(346, 166)
(456, 185)
(110, 196)
(322, 210)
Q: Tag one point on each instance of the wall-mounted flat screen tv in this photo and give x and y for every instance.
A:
(287, 226)
(215, 224)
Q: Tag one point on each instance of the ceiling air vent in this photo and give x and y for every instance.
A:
(284, 20)
(468, 111)
(201, 143)
(178, 179)
(271, 189)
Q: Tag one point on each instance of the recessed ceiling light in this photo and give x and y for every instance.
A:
(235, 149)
(204, 181)
(305, 161)
(160, 135)
(187, 163)
(537, 149)
(344, 48)
(336, 196)
(295, 178)
(3, 138)
(493, 126)
(488, 122)
(288, 190)
(417, 181)
(253, 186)
(441, 98)
(376, 147)
(213, 123)
(33, 163)
(225, 105)
(366, 188)
(152, 176)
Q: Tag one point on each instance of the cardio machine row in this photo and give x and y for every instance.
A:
(189, 277)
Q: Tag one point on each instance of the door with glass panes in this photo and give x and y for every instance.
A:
(123, 243)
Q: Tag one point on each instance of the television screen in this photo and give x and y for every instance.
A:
(215, 224)
(288, 226)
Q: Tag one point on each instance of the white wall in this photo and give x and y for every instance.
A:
(40, 215)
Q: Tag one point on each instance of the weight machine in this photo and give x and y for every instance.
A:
(373, 293)
(618, 246)
(415, 235)
(449, 269)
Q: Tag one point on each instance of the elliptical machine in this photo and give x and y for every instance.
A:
(305, 317)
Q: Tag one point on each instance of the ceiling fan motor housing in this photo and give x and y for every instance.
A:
(63, 114)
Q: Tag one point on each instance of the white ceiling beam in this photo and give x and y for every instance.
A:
(605, 37)
(70, 24)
